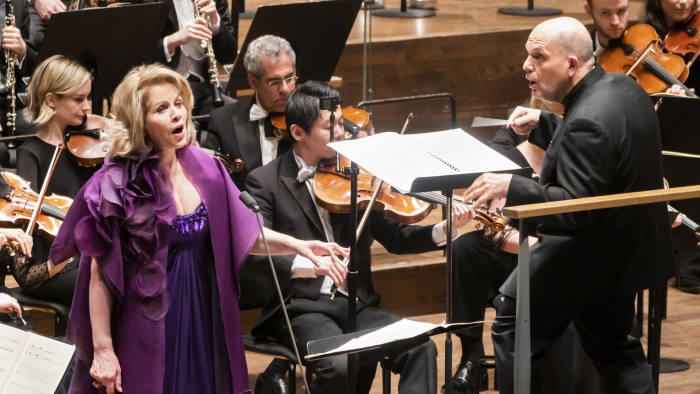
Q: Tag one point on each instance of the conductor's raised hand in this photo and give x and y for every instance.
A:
(106, 371)
(523, 120)
(487, 187)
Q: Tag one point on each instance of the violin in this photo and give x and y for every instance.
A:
(353, 118)
(332, 191)
(88, 143)
(642, 57)
(685, 41)
(17, 207)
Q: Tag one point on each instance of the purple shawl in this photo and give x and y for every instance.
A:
(122, 218)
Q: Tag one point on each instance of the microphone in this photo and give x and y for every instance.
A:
(250, 202)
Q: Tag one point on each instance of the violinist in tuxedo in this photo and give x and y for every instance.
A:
(284, 190)
(242, 130)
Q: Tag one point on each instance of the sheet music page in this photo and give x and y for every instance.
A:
(400, 159)
(402, 329)
(40, 367)
(12, 342)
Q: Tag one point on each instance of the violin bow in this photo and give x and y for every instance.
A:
(44, 186)
(368, 210)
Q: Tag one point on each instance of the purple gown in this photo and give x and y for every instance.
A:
(123, 217)
(191, 334)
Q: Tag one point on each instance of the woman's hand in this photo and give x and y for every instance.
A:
(24, 241)
(9, 305)
(324, 255)
(106, 371)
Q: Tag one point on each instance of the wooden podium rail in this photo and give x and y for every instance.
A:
(522, 373)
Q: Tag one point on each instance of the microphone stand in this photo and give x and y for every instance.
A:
(249, 201)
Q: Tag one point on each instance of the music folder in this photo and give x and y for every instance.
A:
(31, 363)
(440, 160)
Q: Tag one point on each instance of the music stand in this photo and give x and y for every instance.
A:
(530, 10)
(383, 341)
(243, 14)
(680, 169)
(317, 31)
(127, 37)
(403, 12)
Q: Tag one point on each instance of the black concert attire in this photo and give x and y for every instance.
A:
(687, 254)
(232, 133)
(586, 267)
(33, 159)
(287, 206)
(26, 68)
(224, 42)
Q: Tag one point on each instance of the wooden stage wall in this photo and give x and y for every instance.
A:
(468, 49)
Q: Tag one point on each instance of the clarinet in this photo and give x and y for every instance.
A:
(213, 69)
(10, 75)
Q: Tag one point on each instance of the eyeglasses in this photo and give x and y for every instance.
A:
(277, 82)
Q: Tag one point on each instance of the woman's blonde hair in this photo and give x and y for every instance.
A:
(58, 75)
(130, 105)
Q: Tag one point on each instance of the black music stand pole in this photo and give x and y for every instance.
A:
(403, 12)
(530, 10)
(243, 14)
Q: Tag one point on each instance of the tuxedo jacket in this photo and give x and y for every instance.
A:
(224, 42)
(231, 132)
(287, 206)
(22, 21)
(607, 142)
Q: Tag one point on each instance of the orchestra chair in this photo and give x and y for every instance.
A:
(60, 311)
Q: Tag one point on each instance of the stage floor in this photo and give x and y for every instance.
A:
(453, 17)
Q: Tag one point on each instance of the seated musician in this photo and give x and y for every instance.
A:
(243, 130)
(610, 19)
(284, 190)
(58, 97)
(181, 49)
(668, 16)
(16, 40)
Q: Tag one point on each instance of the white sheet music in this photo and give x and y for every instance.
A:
(401, 159)
(402, 329)
(394, 332)
(31, 363)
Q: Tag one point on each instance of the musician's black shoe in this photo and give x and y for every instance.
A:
(464, 376)
(271, 382)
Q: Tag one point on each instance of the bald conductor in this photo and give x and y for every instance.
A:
(586, 267)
